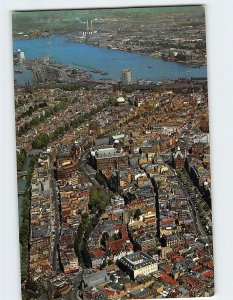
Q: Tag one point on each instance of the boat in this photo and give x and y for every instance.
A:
(150, 67)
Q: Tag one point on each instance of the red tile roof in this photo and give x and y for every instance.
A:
(210, 264)
(97, 252)
(115, 245)
(119, 227)
(168, 279)
(196, 268)
(151, 220)
(109, 292)
(176, 256)
(208, 273)
(192, 280)
(166, 222)
(84, 193)
(125, 235)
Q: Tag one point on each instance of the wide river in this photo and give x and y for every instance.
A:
(111, 61)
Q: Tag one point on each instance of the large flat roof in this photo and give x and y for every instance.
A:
(137, 260)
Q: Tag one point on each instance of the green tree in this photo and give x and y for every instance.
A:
(104, 238)
(21, 157)
(88, 231)
(31, 285)
(112, 238)
(104, 264)
(57, 294)
(85, 217)
(137, 214)
(110, 262)
(100, 179)
(24, 228)
(86, 256)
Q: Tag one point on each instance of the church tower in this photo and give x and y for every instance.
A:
(178, 160)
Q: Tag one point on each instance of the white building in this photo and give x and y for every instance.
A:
(138, 263)
(126, 76)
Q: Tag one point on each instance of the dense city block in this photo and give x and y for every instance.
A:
(116, 200)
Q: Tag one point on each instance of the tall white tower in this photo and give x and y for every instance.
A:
(126, 76)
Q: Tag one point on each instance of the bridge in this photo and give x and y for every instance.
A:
(22, 173)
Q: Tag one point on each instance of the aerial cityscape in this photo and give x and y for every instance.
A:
(113, 156)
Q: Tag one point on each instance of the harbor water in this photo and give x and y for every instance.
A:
(107, 60)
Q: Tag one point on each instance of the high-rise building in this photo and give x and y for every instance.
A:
(126, 76)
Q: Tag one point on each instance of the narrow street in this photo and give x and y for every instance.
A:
(73, 294)
(191, 198)
(87, 169)
(56, 228)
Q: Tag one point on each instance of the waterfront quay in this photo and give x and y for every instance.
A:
(128, 184)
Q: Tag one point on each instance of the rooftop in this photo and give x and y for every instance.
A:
(137, 260)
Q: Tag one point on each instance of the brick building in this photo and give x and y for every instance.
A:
(178, 159)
